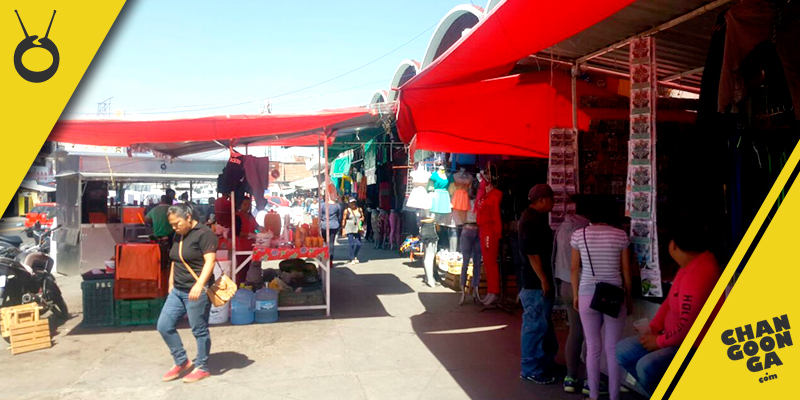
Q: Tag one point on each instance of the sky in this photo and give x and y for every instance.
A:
(162, 56)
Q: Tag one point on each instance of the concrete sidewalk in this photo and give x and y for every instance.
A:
(390, 337)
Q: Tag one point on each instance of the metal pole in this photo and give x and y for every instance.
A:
(234, 264)
(575, 97)
(327, 229)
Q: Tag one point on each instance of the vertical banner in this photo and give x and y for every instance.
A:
(641, 193)
(562, 172)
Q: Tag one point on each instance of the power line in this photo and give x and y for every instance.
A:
(298, 90)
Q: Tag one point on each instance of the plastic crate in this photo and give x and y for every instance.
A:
(137, 312)
(136, 289)
(98, 303)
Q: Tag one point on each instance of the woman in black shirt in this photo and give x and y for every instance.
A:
(193, 256)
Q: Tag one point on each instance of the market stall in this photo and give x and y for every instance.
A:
(169, 139)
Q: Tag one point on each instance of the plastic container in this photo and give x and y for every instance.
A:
(137, 312)
(135, 289)
(266, 306)
(243, 307)
(133, 215)
(219, 315)
(98, 303)
(642, 326)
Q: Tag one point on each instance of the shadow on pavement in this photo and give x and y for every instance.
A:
(227, 361)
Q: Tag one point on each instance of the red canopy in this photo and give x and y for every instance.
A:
(272, 129)
(513, 30)
(509, 115)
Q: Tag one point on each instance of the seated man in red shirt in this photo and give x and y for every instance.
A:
(648, 356)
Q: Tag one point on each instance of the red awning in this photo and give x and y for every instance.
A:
(510, 115)
(513, 30)
(200, 133)
(462, 103)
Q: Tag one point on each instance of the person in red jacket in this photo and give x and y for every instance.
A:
(648, 356)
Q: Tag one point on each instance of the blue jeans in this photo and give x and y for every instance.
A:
(471, 249)
(645, 366)
(539, 345)
(175, 307)
(354, 240)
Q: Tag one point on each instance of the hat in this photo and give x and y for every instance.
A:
(540, 191)
(352, 200)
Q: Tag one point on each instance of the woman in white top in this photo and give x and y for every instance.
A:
(600, 254)
(353, 227)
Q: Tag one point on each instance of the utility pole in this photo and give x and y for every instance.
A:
(104, 108)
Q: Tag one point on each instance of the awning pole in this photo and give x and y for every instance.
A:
(327, 233)
(234, 265)
(575, 97)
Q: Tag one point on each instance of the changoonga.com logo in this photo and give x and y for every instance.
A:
(767, 338)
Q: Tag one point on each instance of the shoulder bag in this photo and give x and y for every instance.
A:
(607, 298)
(221, 291)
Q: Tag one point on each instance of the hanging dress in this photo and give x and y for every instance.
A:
(461, 196)
(419, 197)
(441, 197)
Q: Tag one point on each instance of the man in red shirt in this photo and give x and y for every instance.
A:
(648, 356)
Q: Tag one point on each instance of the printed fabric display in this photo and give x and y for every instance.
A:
(441, 197)
(640, 194)
(419, 197)
(563, 173)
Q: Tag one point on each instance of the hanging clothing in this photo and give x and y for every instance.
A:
(395, 227)
(481, 191)
(419, 197)
(441, 197)
(385, 195)
(749, 24)
(490, 226)
(256, 170)
(362, 188)
(462, 180)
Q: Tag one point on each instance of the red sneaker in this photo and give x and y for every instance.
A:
(176, 371)
(196, 375)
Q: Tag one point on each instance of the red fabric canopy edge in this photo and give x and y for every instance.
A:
(510, 115)
(124, 133)
(513, 30)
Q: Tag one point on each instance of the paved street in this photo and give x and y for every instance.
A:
(389, 337)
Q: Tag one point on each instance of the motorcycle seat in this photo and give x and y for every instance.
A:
(15, 241)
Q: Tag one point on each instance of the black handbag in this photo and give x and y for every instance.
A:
(607, 298)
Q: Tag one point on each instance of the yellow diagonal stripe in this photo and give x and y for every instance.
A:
(763, 291)
(29, 110)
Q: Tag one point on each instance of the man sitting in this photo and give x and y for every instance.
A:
(647, 357)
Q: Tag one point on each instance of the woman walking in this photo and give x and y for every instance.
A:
(329, 216)
(600, 254)
(193, 256)
(353, 227)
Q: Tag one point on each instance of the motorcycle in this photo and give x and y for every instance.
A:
(26, 276)
(40, 235)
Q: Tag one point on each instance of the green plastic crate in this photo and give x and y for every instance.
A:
(138, 312)
(98, 303)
